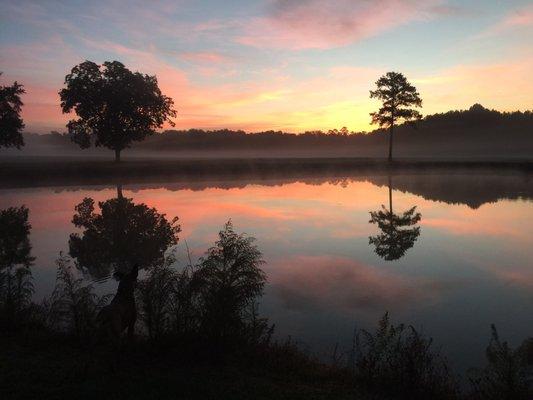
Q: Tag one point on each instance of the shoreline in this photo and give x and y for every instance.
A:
(48, 171)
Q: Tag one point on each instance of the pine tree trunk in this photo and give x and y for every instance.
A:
(117, 155)
(390, 141)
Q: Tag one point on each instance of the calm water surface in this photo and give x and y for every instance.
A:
(470, 263)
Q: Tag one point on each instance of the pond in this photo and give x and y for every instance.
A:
(450, 254)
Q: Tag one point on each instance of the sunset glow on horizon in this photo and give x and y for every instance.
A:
(275, 64)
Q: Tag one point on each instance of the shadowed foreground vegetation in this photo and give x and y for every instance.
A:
(199, 333)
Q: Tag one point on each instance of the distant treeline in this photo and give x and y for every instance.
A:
(463, 123)
(476, 131)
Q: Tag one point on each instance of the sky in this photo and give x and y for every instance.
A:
(291, 65)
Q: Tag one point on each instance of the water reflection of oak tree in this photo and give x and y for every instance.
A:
(122, 235)
(398, 231)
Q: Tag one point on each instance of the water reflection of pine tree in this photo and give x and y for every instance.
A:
(398, 231)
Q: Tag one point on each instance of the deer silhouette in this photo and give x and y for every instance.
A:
(121, 313)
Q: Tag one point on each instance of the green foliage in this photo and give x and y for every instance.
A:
(114, 105)
(122, 235)
(73, 306)
(230, 279)
(506, 375)
(11, 123)
(398, 362)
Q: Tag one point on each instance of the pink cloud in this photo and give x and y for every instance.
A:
(520, 17)
(205, 57)
(319, 24)
(343, 284)
(41, 108)
(516, 273)
(115, 48)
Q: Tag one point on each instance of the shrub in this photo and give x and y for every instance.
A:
(505, 377)
(155, 294)
(398, 362)
(230, 279)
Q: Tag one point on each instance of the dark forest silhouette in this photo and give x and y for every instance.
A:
(472, 185)
(476, 132)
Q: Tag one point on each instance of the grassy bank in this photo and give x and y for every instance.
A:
(50, 367)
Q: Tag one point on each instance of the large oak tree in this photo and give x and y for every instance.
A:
(398, 97)
(114, 105)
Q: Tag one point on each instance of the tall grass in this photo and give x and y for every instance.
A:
(507, 375)
(399, 362)
(16, 291)
(73, 306)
